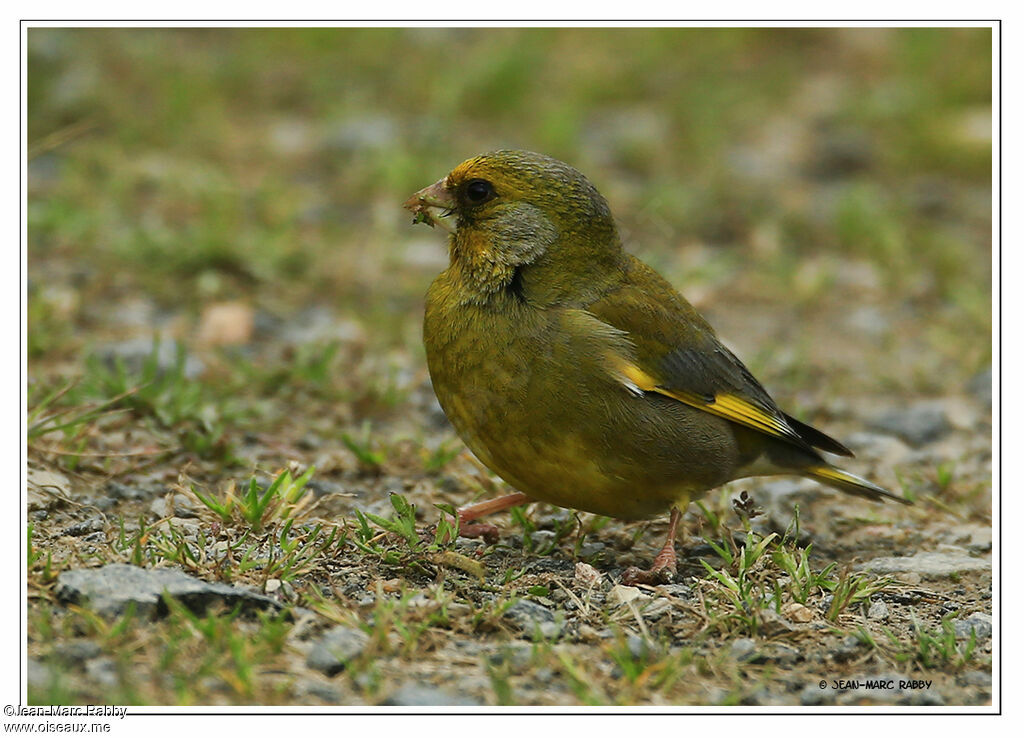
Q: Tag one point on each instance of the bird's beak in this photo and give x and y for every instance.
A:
(432, 205)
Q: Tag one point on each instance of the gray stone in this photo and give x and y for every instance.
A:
(335, 648)
(530, 617)
(979, 622)
(878, 610)
(639, 647)
(129, 492)
(916, 424)
(424, 695)
(927, 564)
(774, 624)
(590, 549)
(102, 671)
(111, 589)
(543, 540)
(782, 654)
(743, 649)
(76, 651)
(848, 649)
(84, 527)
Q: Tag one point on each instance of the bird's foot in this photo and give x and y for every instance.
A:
(489, 533)
(663, 568)
(661, 572)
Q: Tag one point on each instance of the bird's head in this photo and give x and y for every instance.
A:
(524, 221)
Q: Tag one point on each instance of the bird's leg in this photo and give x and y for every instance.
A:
(663, 568)
(485, 530)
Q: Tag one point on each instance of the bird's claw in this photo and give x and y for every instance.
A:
(655, 575)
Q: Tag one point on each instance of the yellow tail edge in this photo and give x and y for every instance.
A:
(852, 484)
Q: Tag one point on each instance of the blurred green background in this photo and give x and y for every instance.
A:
(825, 175)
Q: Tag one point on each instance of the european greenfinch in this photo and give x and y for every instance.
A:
(575, 372)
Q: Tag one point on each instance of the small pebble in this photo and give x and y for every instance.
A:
(585, 576)
(743, 649)
(76, 651)
(798, 613)
(620, 594)
(531, 617)
(543, 540)
(638, 647)
(782, 654)
(92, 525)
(334, 649)
(979, 622)
(102, 670)
(590, 549)
(127, 492)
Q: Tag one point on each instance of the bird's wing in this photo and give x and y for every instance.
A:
(676, 353)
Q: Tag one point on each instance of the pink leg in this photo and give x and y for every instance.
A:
(485, 530)
(487, 507)
(663, 568)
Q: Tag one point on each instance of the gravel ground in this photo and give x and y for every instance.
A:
(821, 196)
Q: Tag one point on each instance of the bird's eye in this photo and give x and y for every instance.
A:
(479, 191)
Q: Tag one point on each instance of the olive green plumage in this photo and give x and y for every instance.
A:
(576, 372)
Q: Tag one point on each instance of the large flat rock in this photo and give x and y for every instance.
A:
(111, 589)
(928, 564)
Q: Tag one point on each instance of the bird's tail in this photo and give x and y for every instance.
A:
(851, 483)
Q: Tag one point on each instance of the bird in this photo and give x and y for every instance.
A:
(578, 374)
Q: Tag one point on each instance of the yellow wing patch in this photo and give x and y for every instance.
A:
(737, 409)
(730, 407)
(637, 377)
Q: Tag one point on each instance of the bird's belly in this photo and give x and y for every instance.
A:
(562, 435)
